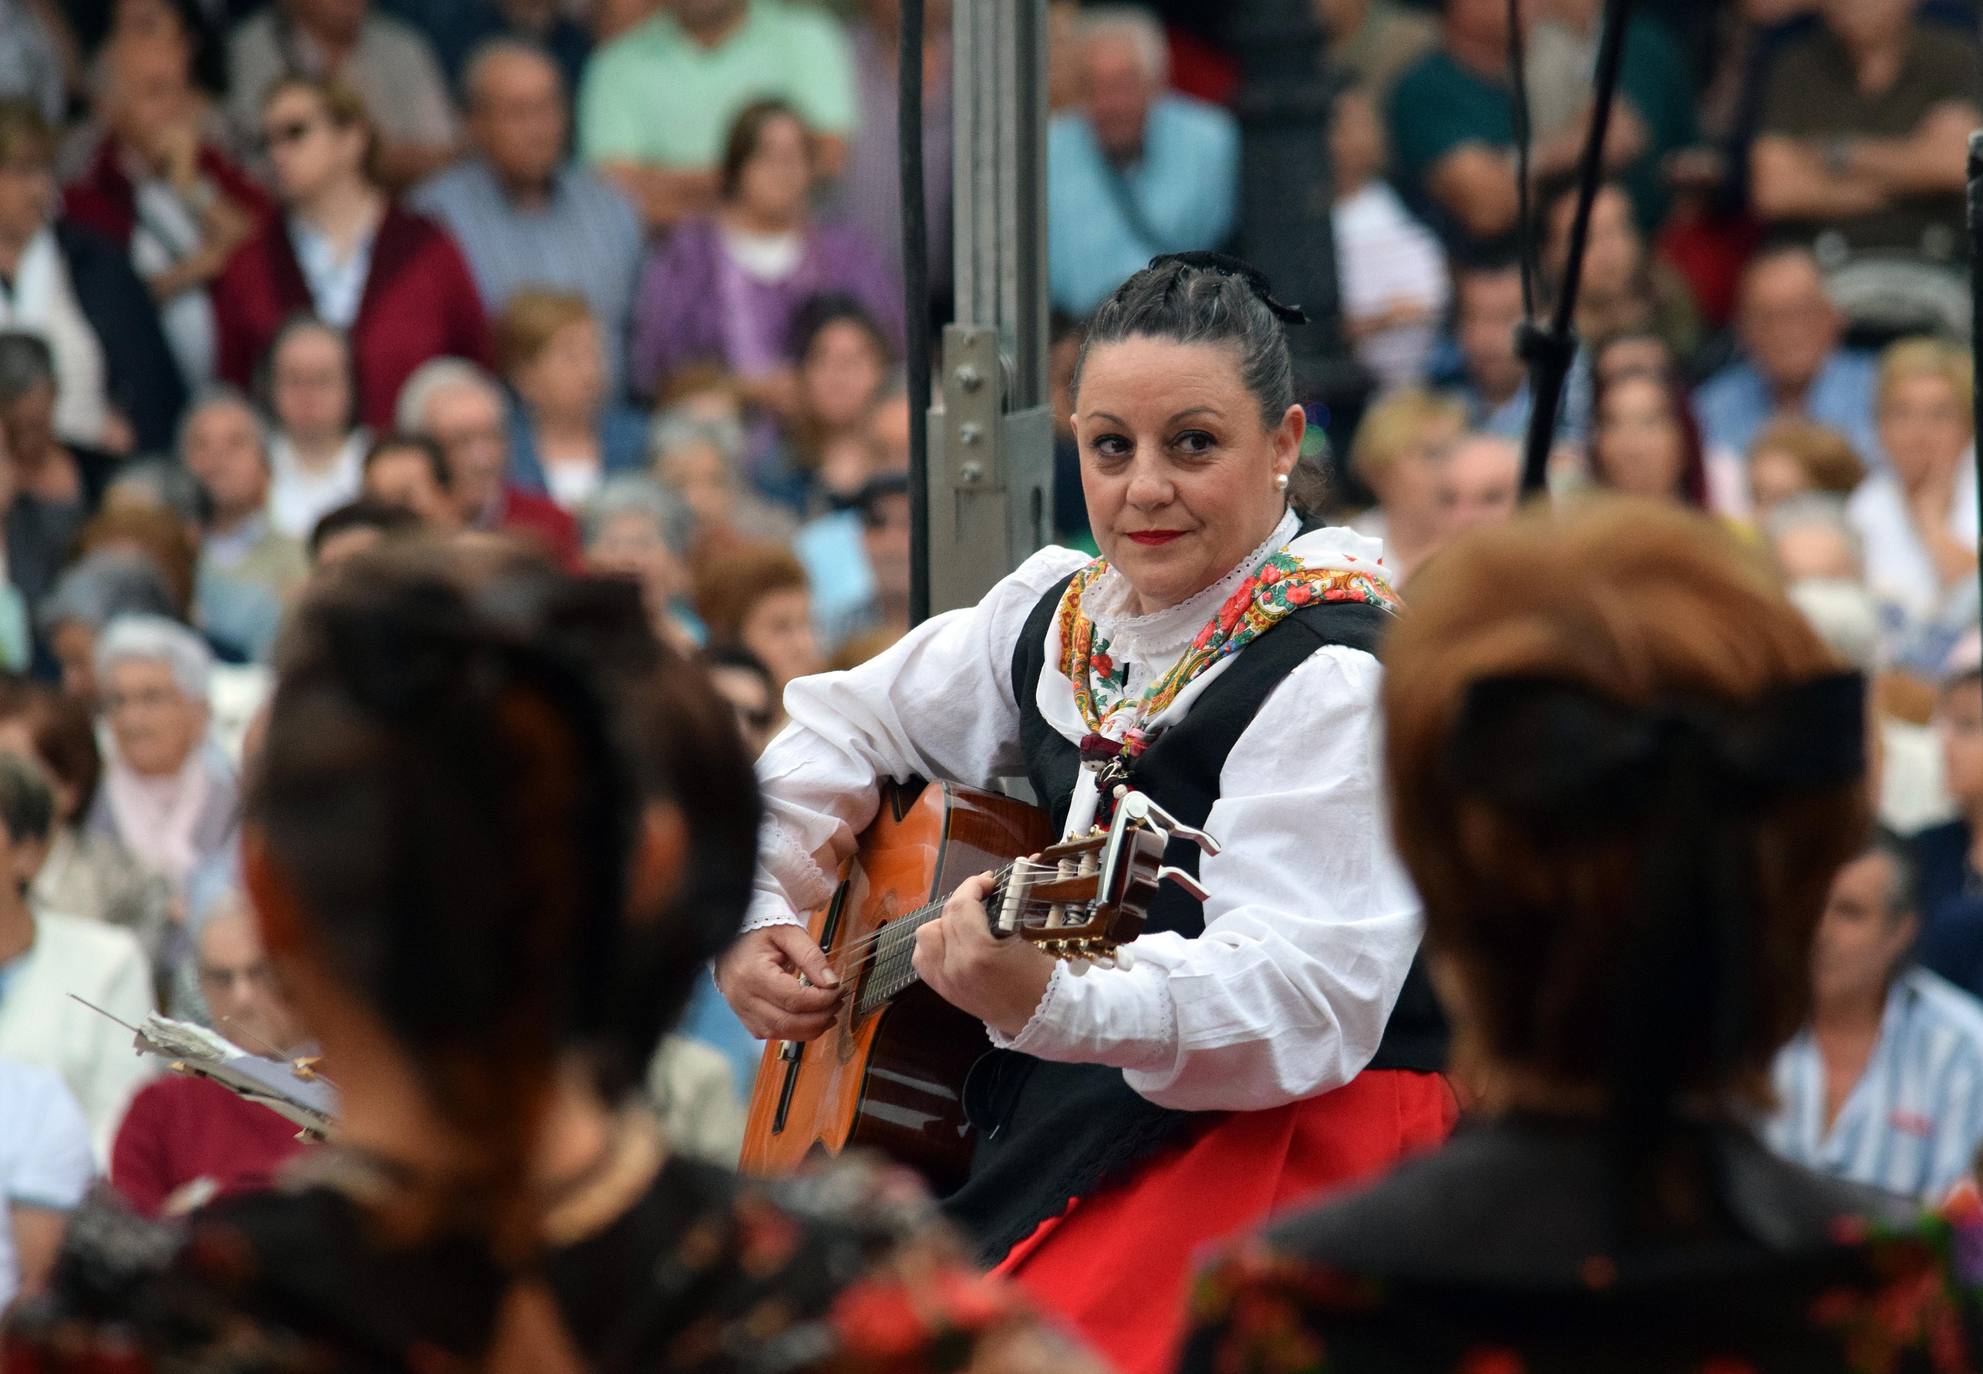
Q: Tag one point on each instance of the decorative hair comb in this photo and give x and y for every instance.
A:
(1227, 265)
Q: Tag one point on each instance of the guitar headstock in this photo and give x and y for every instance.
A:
(1085, 897)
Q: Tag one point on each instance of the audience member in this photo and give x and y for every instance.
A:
(635, 529)
(1791, 361)
(408, 472)
(870, 192)
(165, 192)
(1948, 858)
(1493, 380)
(341, 250)
(96, 589)
(355, 528)
(1794, 457)
(85, 873)
(1917, 515)
(1644, 442)
(45, 1170)
(1619, 924)
(1396, 455)
(1452, 122)
(756, 598)
(1885, 1085)
(463, 410)
(1391, 269)
(169, 794)
(700, 461)
(844, 362)
(1623, 289)
(567, 433)
(1653, 117)
(857, 565)
(1134, 169)
(309, 387)
(118, 385)
(724, 288)
(740, 678)
(523, 214)
(658, 103)
(1479, 483)
(185, 1140)
(55, 485)
(1374, 42)
(1864, 131)
(152, 509)
(248, 568)
(388, 67)
(52, 960)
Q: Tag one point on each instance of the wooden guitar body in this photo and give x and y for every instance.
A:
(890, 1077)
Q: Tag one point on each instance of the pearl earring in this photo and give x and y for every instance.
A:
(1280, 481)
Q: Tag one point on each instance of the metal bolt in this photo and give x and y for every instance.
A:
(969, 377)
(970, 432)
(972, 472)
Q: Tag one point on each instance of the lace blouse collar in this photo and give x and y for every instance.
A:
(1165, 633)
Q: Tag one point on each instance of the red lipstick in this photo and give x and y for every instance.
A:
(1155, 536)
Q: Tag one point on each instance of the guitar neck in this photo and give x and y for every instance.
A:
(893, 971)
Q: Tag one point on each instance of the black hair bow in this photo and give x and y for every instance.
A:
(1229, 266)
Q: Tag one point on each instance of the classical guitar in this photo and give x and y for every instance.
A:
(889, 1074)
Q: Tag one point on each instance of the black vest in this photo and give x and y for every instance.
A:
(1047, 1132)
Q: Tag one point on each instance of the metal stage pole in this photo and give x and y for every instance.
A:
(1976, 314)
(990, 473)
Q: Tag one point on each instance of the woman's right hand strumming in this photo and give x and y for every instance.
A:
(777, 980)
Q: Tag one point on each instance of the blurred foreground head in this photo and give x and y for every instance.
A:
(1623, 770)
(463, 838)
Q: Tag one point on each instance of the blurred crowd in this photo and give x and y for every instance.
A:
(282, 281)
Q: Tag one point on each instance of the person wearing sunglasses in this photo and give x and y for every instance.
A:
(343, 251)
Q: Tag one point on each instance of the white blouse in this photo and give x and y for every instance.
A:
(1312, 923)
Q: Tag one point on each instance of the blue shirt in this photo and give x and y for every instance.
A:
(843, 590)
(585, 239)
(1733, 405)
(622, 447)
(1914, 1119)
(1186, 186)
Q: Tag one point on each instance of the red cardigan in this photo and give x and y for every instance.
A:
(419, 303)
(181, 1129)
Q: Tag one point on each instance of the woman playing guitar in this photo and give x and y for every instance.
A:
(1217, 658)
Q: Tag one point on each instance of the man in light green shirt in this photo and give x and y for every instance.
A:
(656, 104)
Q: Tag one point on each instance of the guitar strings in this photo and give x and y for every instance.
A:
(929, 909)
(868, 948)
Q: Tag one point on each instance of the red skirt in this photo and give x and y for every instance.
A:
(1116, 1267)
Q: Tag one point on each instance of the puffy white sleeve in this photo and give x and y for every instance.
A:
(937, 704)
(1309, 932)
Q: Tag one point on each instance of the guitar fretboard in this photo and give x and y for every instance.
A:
(892, 972)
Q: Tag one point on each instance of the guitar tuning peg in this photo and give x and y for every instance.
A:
(1105, 962)
(1124, 960)
(1077, 968)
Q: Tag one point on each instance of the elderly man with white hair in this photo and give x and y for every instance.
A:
(169, 793)
(462, 409)
(1134, 169)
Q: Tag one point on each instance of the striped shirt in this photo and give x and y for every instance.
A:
(585, 240)
(1914, 1120)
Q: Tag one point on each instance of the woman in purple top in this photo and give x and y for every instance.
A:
(723, 289)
